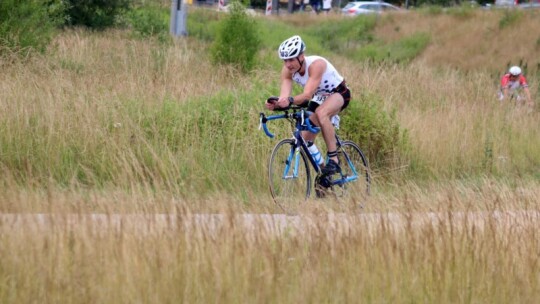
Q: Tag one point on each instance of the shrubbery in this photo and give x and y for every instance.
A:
(237, 42)
(28, 25)
(149, 20)
(31, 24)
(376, 131)
(96, 14)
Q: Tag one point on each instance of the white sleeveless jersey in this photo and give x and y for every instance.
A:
(329, 81)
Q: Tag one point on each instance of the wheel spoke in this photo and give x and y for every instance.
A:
(355, 171)
(288, 174)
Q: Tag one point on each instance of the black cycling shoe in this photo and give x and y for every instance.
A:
(331, 168)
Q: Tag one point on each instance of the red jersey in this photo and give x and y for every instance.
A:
(508, 83)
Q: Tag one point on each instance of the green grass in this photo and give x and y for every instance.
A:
(134, 129)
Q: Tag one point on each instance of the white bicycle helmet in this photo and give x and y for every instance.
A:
(291, 48)
(515, 71)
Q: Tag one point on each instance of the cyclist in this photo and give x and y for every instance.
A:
(324, 88)
(511, 82)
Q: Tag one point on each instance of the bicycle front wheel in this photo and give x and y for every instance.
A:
(354, 166)
(289, 175)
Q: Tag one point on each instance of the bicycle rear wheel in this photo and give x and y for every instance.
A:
(289, 174)
(354, 163)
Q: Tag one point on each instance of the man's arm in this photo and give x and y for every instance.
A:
(285, 92)
(505, 92)
(286, 89)
(504, 87)
(286, 83)
(528, 95)
(525, 86)
(316, 71)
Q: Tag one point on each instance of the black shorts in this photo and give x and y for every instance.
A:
(342, 90)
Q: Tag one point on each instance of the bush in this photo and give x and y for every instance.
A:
(28, 25)
(377, 132)
(237, 42)
(150, 20)
(96, 14)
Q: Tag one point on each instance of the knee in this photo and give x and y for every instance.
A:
(321, 114)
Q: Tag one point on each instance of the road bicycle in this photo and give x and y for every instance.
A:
(290, 164)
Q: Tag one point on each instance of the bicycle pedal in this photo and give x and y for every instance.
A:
(324, 181)
(320, 192)
(322, 185)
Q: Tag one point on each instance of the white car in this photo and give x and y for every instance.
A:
(368, 7)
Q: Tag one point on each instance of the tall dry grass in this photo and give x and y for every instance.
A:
(397, 258)
(89, 97)
(477, 40)
(470, 153)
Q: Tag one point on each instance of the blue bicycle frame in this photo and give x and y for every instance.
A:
(302, 123)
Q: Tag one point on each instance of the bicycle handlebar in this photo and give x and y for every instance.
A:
(263, 119)
(298, 114)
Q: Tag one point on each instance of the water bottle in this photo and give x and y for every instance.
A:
(335, 121)
(315, 152)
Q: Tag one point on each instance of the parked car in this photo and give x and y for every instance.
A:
(368, 7)
(525, 4)
(530, 5)
(505, 3)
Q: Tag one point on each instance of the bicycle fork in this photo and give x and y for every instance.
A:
(293, 160)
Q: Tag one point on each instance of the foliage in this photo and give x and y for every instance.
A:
(401, 51)
(221, 125)
(354, 38)
(95, 14)
(345, 35)
(237, 41)
(431, 10)
(375, 130)
(178, 138)
(28, 25)
(149, 20)
(462, 11)
(203, 24)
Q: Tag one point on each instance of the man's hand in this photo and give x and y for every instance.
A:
(270, 103)
(274, 103)
(284, 102)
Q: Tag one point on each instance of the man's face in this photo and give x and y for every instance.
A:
(292, 64)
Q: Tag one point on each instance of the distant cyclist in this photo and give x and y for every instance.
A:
(322, 84)
(511, 83)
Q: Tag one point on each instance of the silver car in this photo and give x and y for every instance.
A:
(368, 7)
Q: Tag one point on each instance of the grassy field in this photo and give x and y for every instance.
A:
(108, 123)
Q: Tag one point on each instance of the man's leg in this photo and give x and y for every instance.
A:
(330, 107)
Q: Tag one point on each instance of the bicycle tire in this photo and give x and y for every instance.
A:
(360, 188)
(288, 189)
